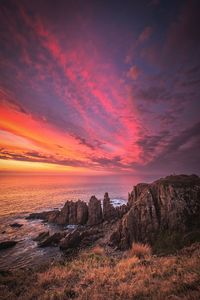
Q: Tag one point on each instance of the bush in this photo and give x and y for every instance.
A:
(140, 250)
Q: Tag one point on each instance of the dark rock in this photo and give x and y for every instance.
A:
(79, 213)
(34, 216)
(171, 204)
(136, 192)
(82, 213)
(44, 215)
(52, 216)
(52, 240)
(16, 225)
(63, 217)
(94, 211)
(89, 236)
(109, 211)
(7, 244)
(41, 236)
(72, 240)
(122, 210)
(90, 232)
(74, 213)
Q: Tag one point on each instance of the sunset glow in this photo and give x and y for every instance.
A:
(85, 94)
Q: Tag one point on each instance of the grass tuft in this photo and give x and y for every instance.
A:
(140, 250)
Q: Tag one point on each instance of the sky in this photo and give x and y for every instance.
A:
(100, 87)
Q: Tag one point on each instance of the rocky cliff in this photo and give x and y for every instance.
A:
(169, 204)
(81, 213)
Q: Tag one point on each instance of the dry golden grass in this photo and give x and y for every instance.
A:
(98, 250)
(97, 276)
(140, 250)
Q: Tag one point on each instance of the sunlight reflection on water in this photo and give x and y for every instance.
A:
(30, 193)
(20, 195)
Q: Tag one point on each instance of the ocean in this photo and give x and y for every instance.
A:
(23, 194)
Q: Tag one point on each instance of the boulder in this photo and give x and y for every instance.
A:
(94, 211)
(7, 244)
(171, 204)
(44, 215)
(89, 236)
(16, 225)
(41, 236)
(109, 211)
(71, 240)
(52, 240)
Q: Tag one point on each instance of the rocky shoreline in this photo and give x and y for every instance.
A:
(91, 222)
(114, 253)
(170, 204)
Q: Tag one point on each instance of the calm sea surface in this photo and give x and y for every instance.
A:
(20, 195)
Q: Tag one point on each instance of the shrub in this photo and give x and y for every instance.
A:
(140, 250)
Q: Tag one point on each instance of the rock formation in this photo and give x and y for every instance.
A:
(52, 240)
(48, 216)
(94, 211)
(72, 213)
(82, 213)
(72, 240)
(171, 204)
(79, 213)
(41, 236)
(109, 211)
(136, 192)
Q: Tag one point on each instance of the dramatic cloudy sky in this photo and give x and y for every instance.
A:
(100, 86)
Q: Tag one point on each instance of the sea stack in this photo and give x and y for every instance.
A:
(94, 211)
(109, 211)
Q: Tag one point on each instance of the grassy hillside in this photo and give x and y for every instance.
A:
(95, 274)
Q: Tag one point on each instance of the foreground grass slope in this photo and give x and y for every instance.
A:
(94, 274)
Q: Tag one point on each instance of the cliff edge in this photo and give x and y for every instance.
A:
(170, 204)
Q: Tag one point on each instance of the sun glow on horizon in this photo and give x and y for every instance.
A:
(87, 91)
(10, 166)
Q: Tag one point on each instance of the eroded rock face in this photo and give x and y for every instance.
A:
(72, 240)
(94, 211)
(171, 204)
(79, 213)
(82, 213)
(109, 211)
(52, 240)
(136, 192)
(73, 213)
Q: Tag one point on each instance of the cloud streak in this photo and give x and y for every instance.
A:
(83, 86)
